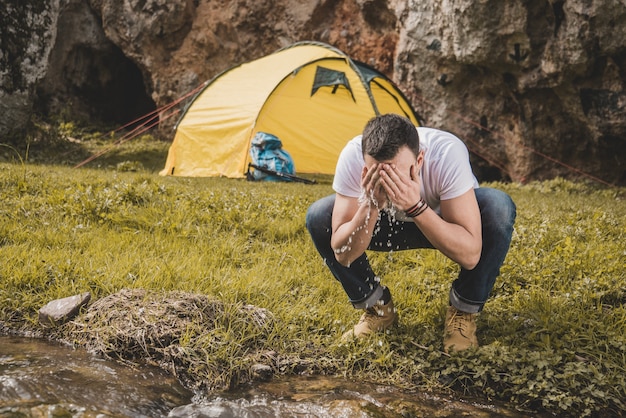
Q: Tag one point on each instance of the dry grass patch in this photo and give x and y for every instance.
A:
(181, 332)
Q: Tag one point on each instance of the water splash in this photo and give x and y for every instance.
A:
(394, 217)
(363, 198)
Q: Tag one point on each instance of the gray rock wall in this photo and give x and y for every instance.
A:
(27, 34)
(541, 79)
(535, 88)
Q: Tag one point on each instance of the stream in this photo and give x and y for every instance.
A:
(43, 379)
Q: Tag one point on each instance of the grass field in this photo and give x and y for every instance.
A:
(552, 335)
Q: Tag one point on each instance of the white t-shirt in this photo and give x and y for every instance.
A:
(445, 174)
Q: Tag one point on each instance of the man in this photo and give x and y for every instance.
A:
(399, 187)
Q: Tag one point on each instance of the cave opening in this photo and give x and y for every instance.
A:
(96, 86)
(117, 90)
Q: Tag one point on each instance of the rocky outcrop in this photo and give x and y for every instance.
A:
(525, 83)
(88, 76)
(27, 34)
(535, 88)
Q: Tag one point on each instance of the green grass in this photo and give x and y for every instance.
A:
(552, 335)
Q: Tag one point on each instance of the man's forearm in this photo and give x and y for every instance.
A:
(454, 241)
(352, 238)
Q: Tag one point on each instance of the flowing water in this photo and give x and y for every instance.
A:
(42, 379)
(39, 378)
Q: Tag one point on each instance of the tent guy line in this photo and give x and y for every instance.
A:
(526, 147)
(150, 120)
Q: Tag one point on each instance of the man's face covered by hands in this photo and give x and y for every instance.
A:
(394, 181)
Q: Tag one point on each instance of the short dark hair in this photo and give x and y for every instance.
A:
(384, 135)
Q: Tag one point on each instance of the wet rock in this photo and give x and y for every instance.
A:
(60, 311)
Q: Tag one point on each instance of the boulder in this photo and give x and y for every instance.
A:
(59, 311)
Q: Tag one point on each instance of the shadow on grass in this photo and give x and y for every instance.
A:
(141, 154)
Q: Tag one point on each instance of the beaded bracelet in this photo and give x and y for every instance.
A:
(417, 209)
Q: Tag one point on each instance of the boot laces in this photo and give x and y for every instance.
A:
(372, 314)
(459, 321)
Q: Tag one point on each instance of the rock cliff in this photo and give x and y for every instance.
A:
(535, 88)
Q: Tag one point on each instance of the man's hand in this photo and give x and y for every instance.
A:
(374, 192)
(403, 189)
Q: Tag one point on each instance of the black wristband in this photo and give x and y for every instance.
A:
(417, 209)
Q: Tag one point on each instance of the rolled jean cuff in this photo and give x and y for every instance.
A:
(369, 301)
(462, 305)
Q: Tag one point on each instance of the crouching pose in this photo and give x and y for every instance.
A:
(399, 187)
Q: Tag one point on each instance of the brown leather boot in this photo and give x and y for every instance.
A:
(460, 330)
(378, 318)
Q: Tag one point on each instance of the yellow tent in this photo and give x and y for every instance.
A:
(310, 95)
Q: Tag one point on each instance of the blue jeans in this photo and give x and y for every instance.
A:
(469, 291)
